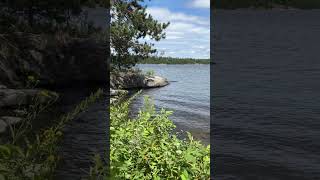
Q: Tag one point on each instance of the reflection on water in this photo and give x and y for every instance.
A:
(265, 95)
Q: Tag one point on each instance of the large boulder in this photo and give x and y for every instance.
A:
(126, 80)
(136, 80)
(11, 120)
(3, 126)
(16, 97)
(12, 98)
(155, 81)
(7, 121)
(3, 86)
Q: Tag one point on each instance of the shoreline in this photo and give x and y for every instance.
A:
(122, 83)
(202, 136)
(195, 131)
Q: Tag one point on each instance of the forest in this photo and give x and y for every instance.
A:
(171, 60)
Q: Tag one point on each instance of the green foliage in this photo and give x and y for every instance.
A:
(130, 24)
(147, 148)
(32, 112)
(32, 81)
(99, 171)
(36, 159)
(47, 16)
(150, 73)
(59, 11)
(31, 30)
(21, 158)
(171, 60)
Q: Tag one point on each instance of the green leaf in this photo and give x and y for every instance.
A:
(184, 175)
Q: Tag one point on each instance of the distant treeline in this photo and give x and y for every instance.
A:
(171, 60)
(234, 4)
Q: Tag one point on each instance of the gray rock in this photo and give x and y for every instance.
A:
(22, 97)
(15, 97)
(112, 92)
(37, 56)
(113, 100)
(133, 80)
(126, 80)
(11, 120)
(75, 61)
(3, 126)
(3, 86)
(155, 81)
(7, 74)
(117, 92)
(19, 112)
(6, 121)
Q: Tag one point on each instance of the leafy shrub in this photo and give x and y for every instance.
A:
(35, 157)
(147, 148)
(37, 160)
(150, 73)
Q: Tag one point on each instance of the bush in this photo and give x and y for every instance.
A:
(150, 73)
(35, 157)
(147, 148)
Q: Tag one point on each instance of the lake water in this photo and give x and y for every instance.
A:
(83, 137)
(266, 108)
(188, 95)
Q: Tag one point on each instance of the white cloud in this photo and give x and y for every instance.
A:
(165, 15)
(186, 36)
(200, 3)
(173, 37)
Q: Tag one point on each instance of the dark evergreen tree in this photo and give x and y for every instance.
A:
(130, 25)
(50, 12)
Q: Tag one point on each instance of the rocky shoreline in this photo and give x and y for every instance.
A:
(40, 64)
(121, 83)
(14, 102)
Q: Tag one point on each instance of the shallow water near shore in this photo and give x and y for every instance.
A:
(187, 96)
(265, 93)
(83, 137)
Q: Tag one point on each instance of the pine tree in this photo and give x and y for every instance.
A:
(58, 11)
(130, 25)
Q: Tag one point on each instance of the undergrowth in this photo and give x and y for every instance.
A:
(147, 148)
(36, 157)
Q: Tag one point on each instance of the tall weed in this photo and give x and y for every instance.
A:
(147, 148)
(36, 158)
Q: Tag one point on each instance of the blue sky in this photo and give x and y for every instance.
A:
(189, 32)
